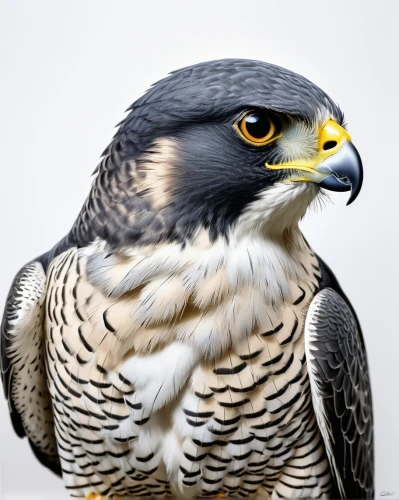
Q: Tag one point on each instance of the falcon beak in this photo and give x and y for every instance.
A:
(337, 165)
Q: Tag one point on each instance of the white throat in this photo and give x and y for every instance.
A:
(278, 209)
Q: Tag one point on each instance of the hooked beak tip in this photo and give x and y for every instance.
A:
(346, 171)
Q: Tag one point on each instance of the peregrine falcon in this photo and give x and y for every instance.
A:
(183, 339)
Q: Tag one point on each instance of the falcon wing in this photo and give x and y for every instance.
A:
(340, 385)
(23, 366)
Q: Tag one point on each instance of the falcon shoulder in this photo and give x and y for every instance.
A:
(341, 392)
(22, 364)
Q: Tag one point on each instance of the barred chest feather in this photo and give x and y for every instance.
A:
(183, 369)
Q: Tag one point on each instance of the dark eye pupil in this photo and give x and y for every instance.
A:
(258, 125)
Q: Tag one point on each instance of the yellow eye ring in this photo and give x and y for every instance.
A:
(257, 127)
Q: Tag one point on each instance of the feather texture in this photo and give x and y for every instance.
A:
(341, 392)
(23, 364)
(220, 380)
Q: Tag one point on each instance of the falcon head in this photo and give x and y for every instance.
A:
(224, 144)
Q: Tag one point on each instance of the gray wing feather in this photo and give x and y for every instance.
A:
(341, 392)
(23, 366)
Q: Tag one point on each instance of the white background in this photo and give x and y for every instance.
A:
(69, 69)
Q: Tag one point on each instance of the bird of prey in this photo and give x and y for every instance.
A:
(183, 339)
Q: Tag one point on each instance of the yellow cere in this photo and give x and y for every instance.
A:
(331, 138)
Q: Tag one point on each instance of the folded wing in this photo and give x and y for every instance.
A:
(23, 364)
(341, 393)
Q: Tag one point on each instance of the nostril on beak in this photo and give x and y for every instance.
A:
(329, 145)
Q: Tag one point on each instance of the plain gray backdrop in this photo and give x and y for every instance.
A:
(69, 69)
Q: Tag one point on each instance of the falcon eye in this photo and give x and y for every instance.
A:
(257, 127)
